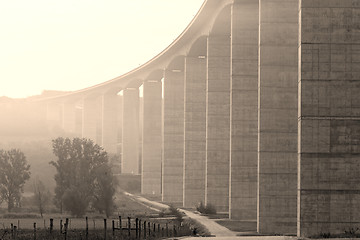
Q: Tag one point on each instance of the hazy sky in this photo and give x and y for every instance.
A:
(73, 44)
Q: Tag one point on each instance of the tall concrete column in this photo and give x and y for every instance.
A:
(218, 122)
(152, 138)
(278, 116)
(173, 137)
(130, 136)
(54, 115)
(69, 117)
(119, 124)
(329, 118)
(244, 110)
(90, 119)
(110, 122)
(195, 131)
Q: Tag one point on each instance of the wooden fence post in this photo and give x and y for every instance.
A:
(61, 226)
(113, 229)
(66, 228)
(51, 225)
(15, 232)
(129, 226)
(86, 228)
(12, 230)
(34, 231)
(120, 225)
(136, 227)
(105, 228)
(144, 229)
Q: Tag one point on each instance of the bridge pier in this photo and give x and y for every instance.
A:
(69, 117)
(195, 130)
(218, 120)
(130, 131)
(278, 116)
(151, 137)
(91, 117)
(110, 122)
(53, 115)
(244, 110)
(173, 136)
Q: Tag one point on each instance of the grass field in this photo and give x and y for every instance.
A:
(126, 207)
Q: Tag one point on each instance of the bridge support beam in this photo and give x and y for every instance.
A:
(130, 131)
(278, 116)
(218, 122)
(151, 138)
(91, 117)
(173, 138)
(195, 131)
(244, 110)
(110, 122)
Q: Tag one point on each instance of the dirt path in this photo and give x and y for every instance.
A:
(214, 228)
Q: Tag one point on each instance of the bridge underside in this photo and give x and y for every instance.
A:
(259, 117)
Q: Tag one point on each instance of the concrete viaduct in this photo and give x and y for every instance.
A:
(254, 108)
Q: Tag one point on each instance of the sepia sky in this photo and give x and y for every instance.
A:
(73, 44)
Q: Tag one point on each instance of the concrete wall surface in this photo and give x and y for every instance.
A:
(329, 118)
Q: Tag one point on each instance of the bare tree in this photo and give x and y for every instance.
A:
(41, 195)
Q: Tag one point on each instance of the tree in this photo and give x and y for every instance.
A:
(41, 195)
(104, 190)
(79, 174)
(14, 172)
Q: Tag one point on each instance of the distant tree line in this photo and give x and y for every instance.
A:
(84, 178)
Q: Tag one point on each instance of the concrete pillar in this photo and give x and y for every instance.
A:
(69, 117)
(278, 116)
(151, 138)
(78, 120)
(218, 122)
(54, 115)
(329, 118)
(110, 122)
(130, 136)
(91, 115)
(119, 124)
(244, 110)
(195, 131)
(173, 137)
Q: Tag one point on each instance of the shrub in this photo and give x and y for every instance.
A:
(206, 209)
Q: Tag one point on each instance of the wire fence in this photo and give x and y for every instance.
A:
(88, 229)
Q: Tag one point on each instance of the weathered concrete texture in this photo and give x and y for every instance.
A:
(218, 122)
(69, 117)
(151, 138)
(195, 131)
(329, 181)
(173, 138)
(244, 110)
(278, 112)
(130, 136)
(109, 122)
(91, 119)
